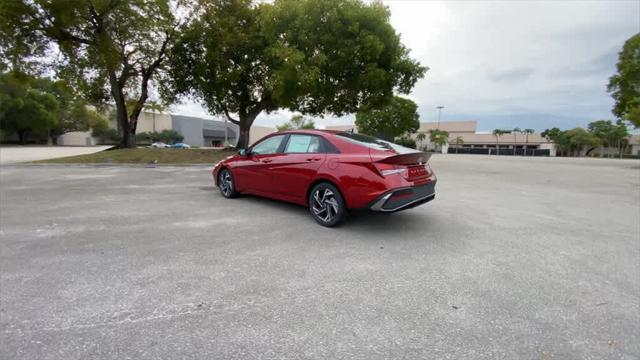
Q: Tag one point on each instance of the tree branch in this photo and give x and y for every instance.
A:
(49, 27)
(226, 113)
(263, 104)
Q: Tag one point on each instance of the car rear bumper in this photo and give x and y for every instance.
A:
(404, 198)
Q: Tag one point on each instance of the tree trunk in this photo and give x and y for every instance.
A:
(22, 136)
(245, 126)
(121, 111)
(137, 109)
(620, 149)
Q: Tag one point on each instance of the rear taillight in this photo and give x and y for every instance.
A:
(431, 175)
(390, 169)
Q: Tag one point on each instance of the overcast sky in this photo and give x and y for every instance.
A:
(507, 64)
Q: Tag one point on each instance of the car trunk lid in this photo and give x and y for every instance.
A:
(412, 165)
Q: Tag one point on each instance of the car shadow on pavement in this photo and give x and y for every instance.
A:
(380, 223)
(409, 220)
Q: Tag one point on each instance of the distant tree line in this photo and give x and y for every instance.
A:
(239, 58)
(599, 134)
(297, 122)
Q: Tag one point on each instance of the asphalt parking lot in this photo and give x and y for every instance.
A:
(515, 259)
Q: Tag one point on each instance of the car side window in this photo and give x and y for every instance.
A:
(303, 144)
(268, 146)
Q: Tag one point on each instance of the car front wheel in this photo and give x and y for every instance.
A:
(326, 205)
(226, 184)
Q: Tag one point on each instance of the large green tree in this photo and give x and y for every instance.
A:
(39, 106)
(108, 49)
(609, 133)
(398, 118)
(571, 142)
(551, 134)
(25, 108)
(625, 85)
(74, 114)
(580, 139)
(315, 57)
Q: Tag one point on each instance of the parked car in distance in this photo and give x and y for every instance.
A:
(159, 145)
(180, 146)
(330, 172)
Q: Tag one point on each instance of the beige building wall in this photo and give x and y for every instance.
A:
(449, 126)
(258, 132)
(146, 123)
(550, 147)
(634, 144)
(77, 138)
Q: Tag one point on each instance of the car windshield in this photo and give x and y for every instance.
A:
(375, 143)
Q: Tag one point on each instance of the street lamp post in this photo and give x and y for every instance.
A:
(440, 107)
(226, 132)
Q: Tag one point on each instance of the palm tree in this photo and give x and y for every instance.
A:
(526, 138)
(516, 131)
(458, 141)
(154, 106)
(438, 137)
(497, 133)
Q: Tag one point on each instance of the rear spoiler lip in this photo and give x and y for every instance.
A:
(418, 157)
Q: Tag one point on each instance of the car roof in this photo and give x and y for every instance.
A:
(310, 131)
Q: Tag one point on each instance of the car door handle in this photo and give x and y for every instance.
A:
(266, 160)
(313, 159)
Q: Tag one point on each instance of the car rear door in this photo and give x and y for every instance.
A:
(292, 173)
(253, 174)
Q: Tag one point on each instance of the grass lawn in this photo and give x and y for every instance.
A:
(145, 156)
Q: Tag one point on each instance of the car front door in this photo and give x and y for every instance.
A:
(293, 172)
(253, 174)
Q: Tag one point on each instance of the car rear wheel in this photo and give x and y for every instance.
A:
(326, 205)
(226, 184)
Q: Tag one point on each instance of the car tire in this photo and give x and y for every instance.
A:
(326, 205)
(226, 184)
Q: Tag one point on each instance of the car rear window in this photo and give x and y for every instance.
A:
(375, 143)
(303, 144)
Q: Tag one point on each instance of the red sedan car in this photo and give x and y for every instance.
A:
(330, 172)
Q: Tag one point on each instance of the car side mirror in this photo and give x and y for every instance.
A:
(243, 152)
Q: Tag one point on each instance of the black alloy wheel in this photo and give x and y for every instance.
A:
(326, 205)
(226, 184)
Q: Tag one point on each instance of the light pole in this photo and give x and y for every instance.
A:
(439, 107)
(226, 136)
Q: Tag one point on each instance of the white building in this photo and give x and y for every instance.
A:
(197, 131)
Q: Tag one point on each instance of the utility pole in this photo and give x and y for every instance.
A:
(439, 107)
(226, 133)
